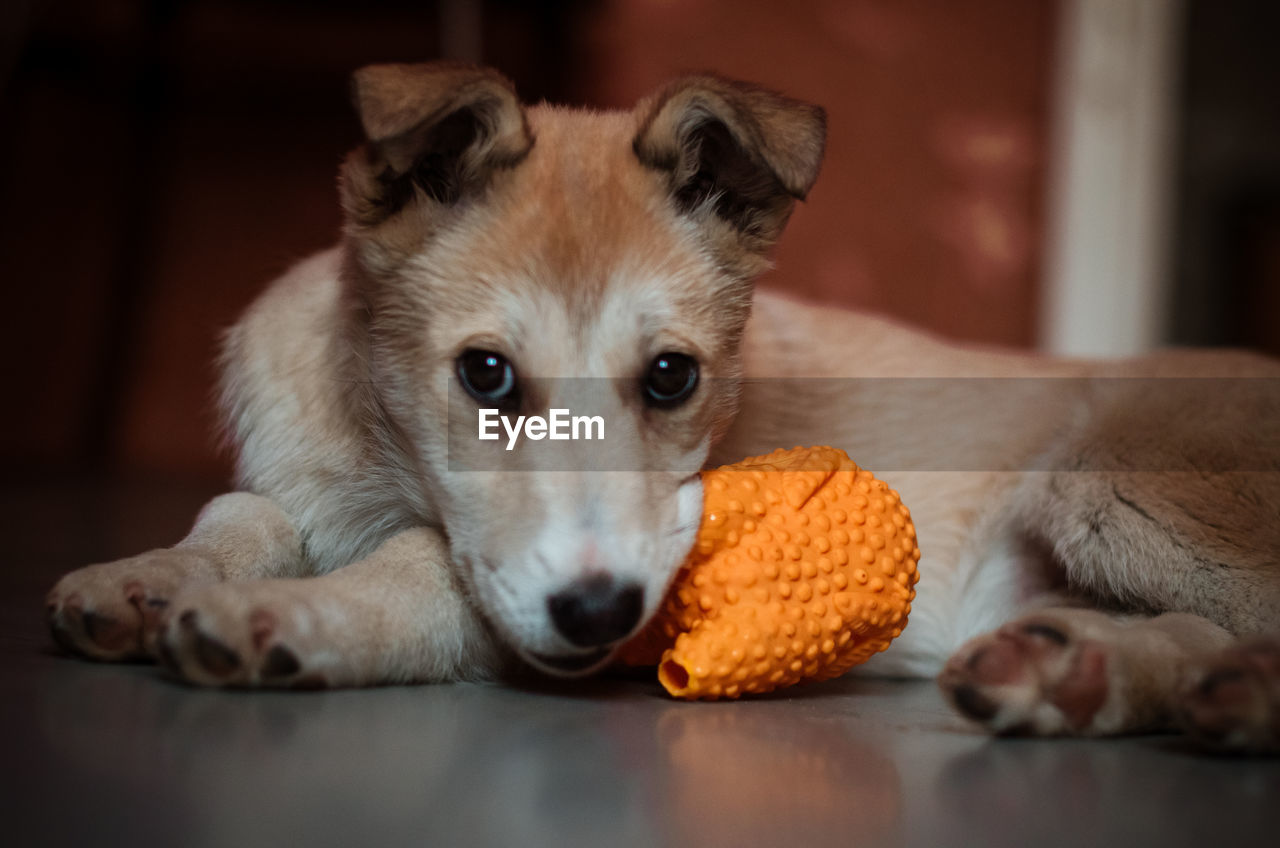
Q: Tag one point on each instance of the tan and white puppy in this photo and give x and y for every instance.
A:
(498, 256)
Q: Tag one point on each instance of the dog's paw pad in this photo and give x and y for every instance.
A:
(1233, 702)
(168, 658)
(280, 662)
(971, 702)
(1029, 677)
(262, 626)
(109, 633)
(60, 630)
(115, 610)
(257, 633)
(215, 657)
(98, 625)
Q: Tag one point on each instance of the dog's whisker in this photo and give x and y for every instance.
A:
(683, 529)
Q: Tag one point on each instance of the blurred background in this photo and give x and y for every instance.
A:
(1084, 176)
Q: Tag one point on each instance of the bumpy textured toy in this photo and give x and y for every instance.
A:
(804, 566)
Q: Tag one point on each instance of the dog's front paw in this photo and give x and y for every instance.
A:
(1233, 701)
(257, 633)
(1041, 675)
(114, 611)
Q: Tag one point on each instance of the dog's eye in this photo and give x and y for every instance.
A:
(671, 379)
(486, 375)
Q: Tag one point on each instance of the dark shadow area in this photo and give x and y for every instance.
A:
(1227, 240)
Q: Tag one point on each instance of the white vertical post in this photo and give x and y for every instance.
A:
(1107, 275)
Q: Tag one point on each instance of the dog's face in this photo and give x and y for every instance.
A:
(529, 260)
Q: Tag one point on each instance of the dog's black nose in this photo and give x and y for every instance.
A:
(594, 611)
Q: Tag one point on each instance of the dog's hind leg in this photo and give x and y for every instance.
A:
(397, 616)
(114, 610)
(1163, 495)
(1165, 541)
(1197, 551)
(1079, 672)
(1232, 700)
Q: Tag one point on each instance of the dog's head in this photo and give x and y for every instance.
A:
(498, 255)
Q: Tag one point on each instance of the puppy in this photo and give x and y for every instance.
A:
(1093, 544)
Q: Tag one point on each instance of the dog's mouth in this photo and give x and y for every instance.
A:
(568, 665)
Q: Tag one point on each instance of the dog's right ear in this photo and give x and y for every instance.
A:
(435, 132)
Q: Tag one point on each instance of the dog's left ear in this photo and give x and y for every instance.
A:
(737, 156)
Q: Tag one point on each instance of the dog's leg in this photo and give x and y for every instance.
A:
(1080, 672)
(1233, 699)
(1201, 543)
(395, 617)
(113, 611)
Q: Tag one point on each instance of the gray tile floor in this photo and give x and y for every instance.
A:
(117, 755)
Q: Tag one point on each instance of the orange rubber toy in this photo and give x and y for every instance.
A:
(804, 566)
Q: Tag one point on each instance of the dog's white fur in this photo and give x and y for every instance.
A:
(583, 245)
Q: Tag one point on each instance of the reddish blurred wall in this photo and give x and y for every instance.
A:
(929, 206)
